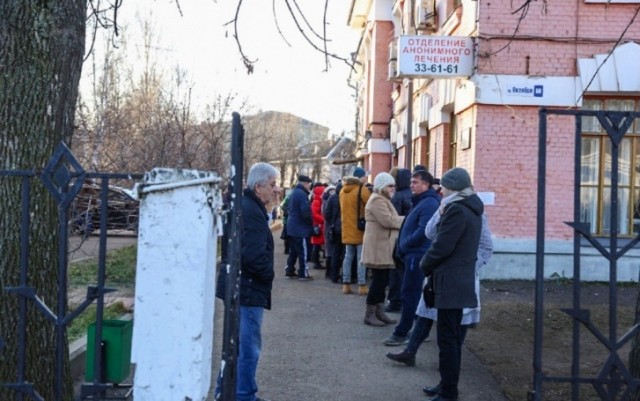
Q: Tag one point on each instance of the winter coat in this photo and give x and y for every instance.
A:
(299, 221)
(328, 246)
(351, 186)
(332, 212)
(412, 241)
(316, 214)
(256, 255)
(284, 208)
(451, 258)
(402, 198)
(485, 251)
(381, 232)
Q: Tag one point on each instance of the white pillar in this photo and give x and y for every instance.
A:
(175, 285)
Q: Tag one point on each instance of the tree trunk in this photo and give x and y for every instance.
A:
(41, 49)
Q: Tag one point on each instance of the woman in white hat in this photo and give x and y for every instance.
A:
(380, 234)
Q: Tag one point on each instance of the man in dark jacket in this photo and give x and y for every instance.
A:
(256, 276)
(402, 202)
(299, 228)
(412, 244)
(451, 261)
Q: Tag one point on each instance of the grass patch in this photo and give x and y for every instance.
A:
(120, 268)
(120, 271)
(78, 326)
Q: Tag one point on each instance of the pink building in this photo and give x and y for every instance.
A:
(448, 83)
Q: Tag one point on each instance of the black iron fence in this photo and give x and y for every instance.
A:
(613, 382)
(86, 202)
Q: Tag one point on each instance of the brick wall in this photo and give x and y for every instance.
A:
(506, 163)
(551, 29)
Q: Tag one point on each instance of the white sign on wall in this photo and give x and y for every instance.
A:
(435, 56)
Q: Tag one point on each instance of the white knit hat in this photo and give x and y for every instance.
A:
(382, 180)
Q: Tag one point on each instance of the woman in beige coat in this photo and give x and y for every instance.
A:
(380, 234)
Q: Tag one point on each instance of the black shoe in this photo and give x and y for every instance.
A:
(405, 357)
(431, 391)
(441, 398)
(392, 309)
(291, 274)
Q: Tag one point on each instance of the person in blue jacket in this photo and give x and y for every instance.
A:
(256, 278)
(412, 245)
(402, 202)
(299, 228)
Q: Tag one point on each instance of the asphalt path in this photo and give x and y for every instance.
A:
(85, 248)
(315, 346)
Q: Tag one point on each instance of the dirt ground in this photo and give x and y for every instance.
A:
(504, 340)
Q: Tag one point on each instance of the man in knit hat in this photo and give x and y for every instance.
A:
(450, 261)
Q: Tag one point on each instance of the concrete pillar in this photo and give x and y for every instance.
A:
(175, 285)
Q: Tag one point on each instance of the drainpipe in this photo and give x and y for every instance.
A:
(407, 162)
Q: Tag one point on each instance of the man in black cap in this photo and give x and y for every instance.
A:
(299, 228)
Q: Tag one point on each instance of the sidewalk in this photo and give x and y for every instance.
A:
(316, 347)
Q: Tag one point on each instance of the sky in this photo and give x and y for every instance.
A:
(286, 78)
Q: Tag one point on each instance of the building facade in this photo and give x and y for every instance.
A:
(448, 83)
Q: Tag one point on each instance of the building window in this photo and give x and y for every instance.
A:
(453, 144)
(595, 175)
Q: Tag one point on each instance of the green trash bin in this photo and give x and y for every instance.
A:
(116, 350)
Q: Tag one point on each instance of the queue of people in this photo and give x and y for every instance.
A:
(422, 239)
(426, 248)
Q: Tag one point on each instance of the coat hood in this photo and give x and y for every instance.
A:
(403, 179)
(317, 191)
(474, 203)
(349, 183)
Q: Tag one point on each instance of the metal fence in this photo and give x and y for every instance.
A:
(84, 202)
(613, 382)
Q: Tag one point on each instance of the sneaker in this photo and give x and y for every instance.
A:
(394, 340)
(305, 278)
(261, 399)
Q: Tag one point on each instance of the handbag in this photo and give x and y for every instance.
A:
(397, 257)
(361, 220)
(429, 294)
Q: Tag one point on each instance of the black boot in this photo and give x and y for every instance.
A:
(405, 357)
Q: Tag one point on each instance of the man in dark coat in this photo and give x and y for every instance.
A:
(256, 276)
(412, 244)
(402, 202)
(299, 228)
(451, 261)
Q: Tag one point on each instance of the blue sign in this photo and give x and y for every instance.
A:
(538, 90)
(527, 91)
